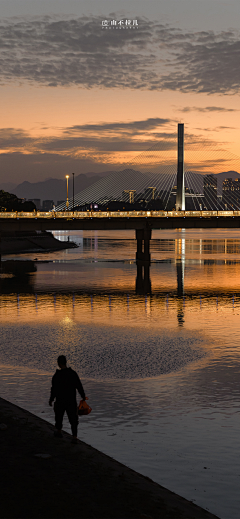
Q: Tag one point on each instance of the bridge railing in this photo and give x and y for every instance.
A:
(69, 215)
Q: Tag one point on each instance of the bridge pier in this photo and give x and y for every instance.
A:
(143, 261)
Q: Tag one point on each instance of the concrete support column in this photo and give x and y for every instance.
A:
(139, 242)
(139, 279)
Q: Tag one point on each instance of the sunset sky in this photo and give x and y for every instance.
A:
(77, 97)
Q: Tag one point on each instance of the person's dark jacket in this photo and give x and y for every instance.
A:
(64, 384)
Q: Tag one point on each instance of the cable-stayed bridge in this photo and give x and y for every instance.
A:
(169, 182)
(166, 177)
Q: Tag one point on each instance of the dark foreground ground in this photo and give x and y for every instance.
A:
(73, 481)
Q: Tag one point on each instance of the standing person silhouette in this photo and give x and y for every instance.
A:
(64, 384)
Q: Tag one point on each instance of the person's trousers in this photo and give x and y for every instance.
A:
(71, 409)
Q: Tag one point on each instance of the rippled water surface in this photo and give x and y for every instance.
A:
(158, 355)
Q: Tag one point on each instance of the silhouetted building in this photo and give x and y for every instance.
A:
(47, 205)
(231, 194)
(155, 205)
(37, 202)
(210, 192)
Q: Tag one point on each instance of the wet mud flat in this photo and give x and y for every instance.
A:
(46, 477)
(22, 242)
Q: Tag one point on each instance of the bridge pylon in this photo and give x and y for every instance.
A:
(180, 198)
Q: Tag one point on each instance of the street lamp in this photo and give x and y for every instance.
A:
(67, 202)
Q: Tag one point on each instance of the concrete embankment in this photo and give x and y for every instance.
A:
(17, 243)
(46, 477)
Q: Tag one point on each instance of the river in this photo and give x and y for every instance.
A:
(159, 357)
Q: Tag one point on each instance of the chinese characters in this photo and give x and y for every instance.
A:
(119, 24)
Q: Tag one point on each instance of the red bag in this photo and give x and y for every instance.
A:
(84, 408)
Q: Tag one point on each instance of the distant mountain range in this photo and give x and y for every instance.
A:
(52, 188)
(55, 189)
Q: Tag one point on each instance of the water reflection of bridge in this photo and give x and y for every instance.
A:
(49, 307)
(19, 297)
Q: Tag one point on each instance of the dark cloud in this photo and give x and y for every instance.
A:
(99, 147)
(102, 137)
(209, 67)
(52, 51)
(207, 109)
(98, 141)
(219, 128)
(77, 51)
(35, 159)
(14, 137)
(96, 144)
(34, 167)
(129, 127)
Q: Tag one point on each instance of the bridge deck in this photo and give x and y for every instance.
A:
(118, 220)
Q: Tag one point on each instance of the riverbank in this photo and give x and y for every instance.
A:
(18, 243)
(46, 477)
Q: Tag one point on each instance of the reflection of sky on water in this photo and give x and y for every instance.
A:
(161, 369)
(111, 245)
(102, 353)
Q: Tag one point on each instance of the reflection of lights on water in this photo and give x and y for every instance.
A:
(67, 320)
(183, 247)
(147, 305)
